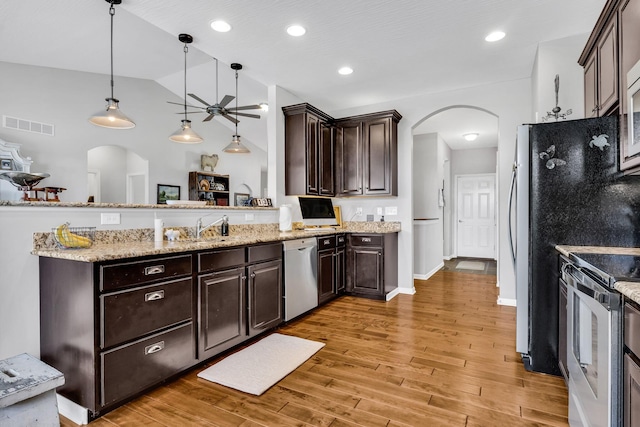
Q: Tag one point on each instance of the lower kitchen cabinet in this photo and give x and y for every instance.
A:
(265, 295)
(631, 365)
(331, 267)
(115, 329)
(372, 264)
(118, 328)
(222, 323)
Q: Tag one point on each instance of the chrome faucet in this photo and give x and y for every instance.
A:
(200, 228)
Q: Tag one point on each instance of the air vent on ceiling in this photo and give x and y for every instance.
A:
(27, 125)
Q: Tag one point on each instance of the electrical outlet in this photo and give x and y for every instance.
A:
(109, 218)
(248, 217)
(358, 211)
(391, 210)
(379, 211)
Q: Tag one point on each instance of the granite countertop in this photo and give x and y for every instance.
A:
(630, 290)
(140, 242)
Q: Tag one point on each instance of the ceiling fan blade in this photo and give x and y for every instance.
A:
(191, 112)
(231, 119)
(227, 99)
(246, 107)
(253, 116)
(209, 117)
(199, 99)
(182, 105)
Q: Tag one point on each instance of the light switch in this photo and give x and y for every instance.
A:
(379, 211)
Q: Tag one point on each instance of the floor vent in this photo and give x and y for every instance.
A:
(27, 125)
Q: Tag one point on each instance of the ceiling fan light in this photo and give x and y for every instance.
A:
(235, 146)
(186, 135)
(470, 136)
(112, 117)
(220, 26)
(264, 106)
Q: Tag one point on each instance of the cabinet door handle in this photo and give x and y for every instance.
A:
(153, 296)
(156, 269)
(379, 253)
(154, 348)
(253, 275)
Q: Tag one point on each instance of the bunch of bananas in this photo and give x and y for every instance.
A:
(66, 238)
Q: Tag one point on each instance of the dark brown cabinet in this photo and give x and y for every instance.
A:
(631, 365)
(372, 264)
(331, 264)
(366, 152)
(309, 151)
(353, 156)
(612, 50)
(265, 296)
(116, 328)
(210, 187)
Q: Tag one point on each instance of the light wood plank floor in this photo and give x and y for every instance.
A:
(443, 357)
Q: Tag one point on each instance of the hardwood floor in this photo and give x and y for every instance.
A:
(442, 357)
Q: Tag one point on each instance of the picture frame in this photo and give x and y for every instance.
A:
(240, 199)
(6, 164)
(168, 192)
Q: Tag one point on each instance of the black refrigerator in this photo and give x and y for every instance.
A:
(566, 190)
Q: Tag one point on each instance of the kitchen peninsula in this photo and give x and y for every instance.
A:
(159, 308)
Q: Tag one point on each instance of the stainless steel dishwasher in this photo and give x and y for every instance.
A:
(300, 276)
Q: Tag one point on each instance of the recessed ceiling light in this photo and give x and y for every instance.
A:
(220, 26)
(470, 136)
(296, 30)
(495, 36)
(345, 71)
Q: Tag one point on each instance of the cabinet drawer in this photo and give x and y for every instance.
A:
(341, 240)
(632, 328)
(117, 276)
(221, 259)
(365, 240)
(328, 242)
(265, 252)
(132, 368)
(130, 314)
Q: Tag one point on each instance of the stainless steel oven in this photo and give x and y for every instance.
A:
(594, 349)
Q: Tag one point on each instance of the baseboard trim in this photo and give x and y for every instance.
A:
(507, 301)
(429, 274)
(72, 410)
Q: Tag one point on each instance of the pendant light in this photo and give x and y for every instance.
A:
(185, 135)
(112, 117)
(235, 146)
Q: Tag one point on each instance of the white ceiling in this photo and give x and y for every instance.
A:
(397, 48)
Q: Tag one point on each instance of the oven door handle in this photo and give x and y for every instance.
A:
(586, 285)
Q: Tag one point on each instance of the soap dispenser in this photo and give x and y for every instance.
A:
(224, 228)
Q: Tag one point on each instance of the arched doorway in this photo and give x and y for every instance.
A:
(440, 154)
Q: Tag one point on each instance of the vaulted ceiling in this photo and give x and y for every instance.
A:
(397, 48)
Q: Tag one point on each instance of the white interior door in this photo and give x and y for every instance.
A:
(476, 222)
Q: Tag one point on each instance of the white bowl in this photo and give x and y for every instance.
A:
(187, 202)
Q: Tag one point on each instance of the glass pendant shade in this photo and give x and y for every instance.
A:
(185, 134)
(112, 117)
(235, 146)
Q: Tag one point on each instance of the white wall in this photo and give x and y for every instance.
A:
(66, 99)
(473, 161)
(510, 101)
(558, 57)
(426, 177)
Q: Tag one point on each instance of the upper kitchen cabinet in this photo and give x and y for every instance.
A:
(309, 151)
(612, 50)
(367, 155)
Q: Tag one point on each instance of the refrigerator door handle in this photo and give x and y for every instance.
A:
(512, 189)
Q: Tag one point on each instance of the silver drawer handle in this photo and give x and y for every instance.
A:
(156, 269)
(154, 296)
(366, 239)
(326, 242)
(154, 348)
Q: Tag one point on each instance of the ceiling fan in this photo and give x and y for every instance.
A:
(220, 108)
